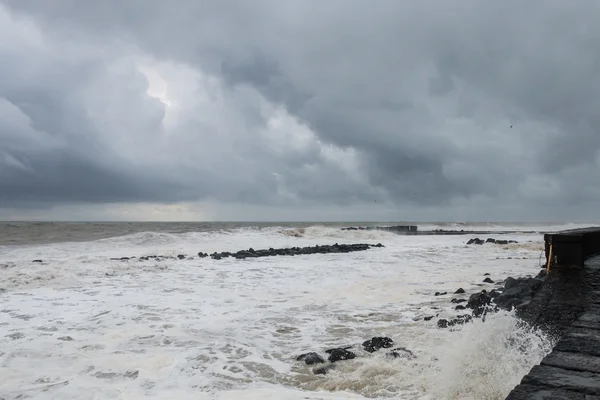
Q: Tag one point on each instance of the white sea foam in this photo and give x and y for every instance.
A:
(232, 328)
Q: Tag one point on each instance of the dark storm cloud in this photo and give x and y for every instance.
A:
(411, 102)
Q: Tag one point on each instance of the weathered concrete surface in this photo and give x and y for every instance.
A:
(573, 247)
(572, 370)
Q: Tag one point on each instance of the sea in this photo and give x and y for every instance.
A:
(78, 324)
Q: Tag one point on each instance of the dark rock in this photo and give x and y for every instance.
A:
(541, 275)
(401, 352)
(490, 240)
(488, 280)
(475, 241)
(478, 303)
(486, 274)
(534, 284)
(521, 292)
(501, 242)
(523, 306)
(458, 301)
(311, 358)
(510, 283)
(528, 392)
(460, 291)
(181, 256)
(377, 343)
(202, 255)
(442, 323)
(460, 307)
(440, 293)
(511, 303)
(429, 318)
(340, 354)
(37, 261)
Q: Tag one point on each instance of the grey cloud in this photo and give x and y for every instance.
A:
(423, 93)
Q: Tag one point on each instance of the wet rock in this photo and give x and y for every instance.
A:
(181, 256)
(294, 251)
(478, 302)
(521, 292)
(541, 275)
(475, 241)
(523, 306)
(534, 284)
(37, 261)
(311, 358)
(429, 318)
(377, 343)
(442, 323)
(488, 280)
(511, 303)
(460, 307)
(339, 354)
(66, 338)
(510, 283)
(202, 255)
(458, 301)
(440, 293)
(459, 291)
(400, 352)
(486, 274)
(490, 240)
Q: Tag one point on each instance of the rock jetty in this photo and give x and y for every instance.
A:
(271, 252)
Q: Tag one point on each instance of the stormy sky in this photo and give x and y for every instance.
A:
(440, 110)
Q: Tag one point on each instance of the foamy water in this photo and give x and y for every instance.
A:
(81, 326)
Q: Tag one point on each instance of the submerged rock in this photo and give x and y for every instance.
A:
(400, 352)
(323, 370)
(311, 358)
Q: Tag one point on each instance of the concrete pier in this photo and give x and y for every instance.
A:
(413, 230)
(569, 307)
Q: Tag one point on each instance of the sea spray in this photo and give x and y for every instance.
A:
(485, 360)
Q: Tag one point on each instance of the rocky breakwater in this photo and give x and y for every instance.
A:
(512, 293)
(252, 253)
